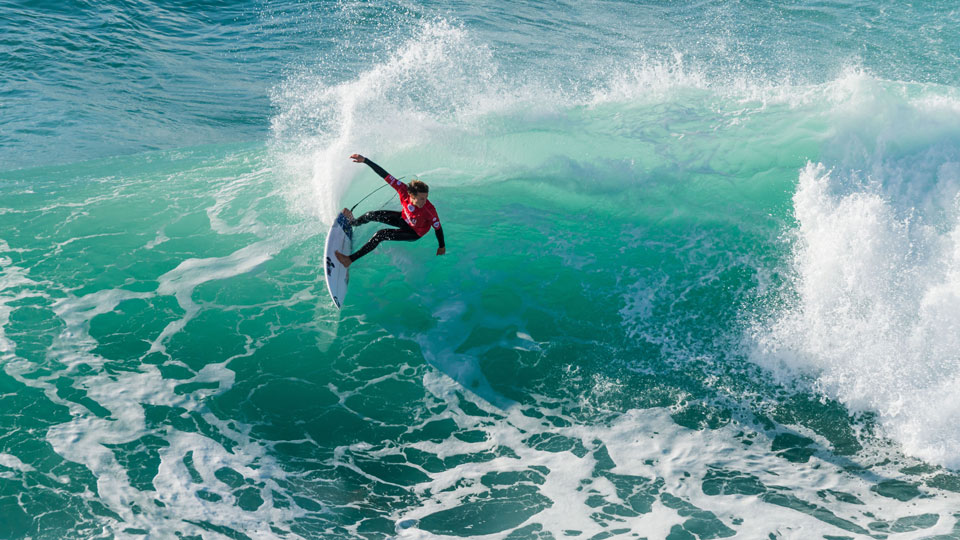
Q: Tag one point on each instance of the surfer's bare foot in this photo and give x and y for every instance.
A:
(344, 260)
(349, 214)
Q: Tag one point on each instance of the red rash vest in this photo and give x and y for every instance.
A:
(420, 219)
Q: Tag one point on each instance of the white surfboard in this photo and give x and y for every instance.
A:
(339, 239)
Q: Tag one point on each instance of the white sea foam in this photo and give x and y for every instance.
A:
(648, 447)
(874, 310)
(160, 238)
(13, 462)
(124, 394)
(83, 439)
(182, 280)
(11, 277)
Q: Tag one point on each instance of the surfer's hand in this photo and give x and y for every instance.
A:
(357, 158)
(441, 251)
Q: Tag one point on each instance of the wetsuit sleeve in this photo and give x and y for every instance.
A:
(396, 184)
(376, 168)
(437, 228)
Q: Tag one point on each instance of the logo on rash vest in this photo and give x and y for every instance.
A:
(411, 207)
(436, 224)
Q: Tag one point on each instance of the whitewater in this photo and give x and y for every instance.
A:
(702, 275)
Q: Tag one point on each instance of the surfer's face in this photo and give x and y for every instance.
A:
(418, 199)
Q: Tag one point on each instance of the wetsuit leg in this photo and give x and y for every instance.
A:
(404, 235)
(389, 217)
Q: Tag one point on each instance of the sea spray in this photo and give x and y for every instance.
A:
(876, 317)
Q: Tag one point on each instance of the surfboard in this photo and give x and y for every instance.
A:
(340, 238)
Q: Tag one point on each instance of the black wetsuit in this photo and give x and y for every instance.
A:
(403, 232)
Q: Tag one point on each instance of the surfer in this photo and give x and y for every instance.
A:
(417, 217)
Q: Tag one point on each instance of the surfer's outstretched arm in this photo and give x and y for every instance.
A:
(376, 168)
(392, 180)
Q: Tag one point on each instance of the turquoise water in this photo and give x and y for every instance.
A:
(702, 278)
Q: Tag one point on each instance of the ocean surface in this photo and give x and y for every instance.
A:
(702, 275)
